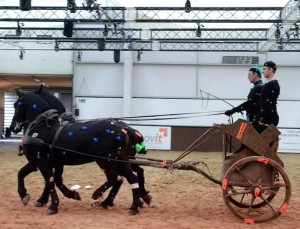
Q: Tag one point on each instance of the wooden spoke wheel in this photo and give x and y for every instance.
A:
(256, 189)
(239, 199)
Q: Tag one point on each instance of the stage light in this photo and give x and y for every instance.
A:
(71, 5)
(90, 4)
(198, 31)
(187, 7)
(117, 53)
(296, 30)
(277, 31)
(138, 57)
(19, 30)
(25, 5)
(105, 31)
(101, 44)
(288, 36)
(56, 46)
(79, 53)
(68, 28)
(21, 56)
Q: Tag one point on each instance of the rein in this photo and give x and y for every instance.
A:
(149, 117)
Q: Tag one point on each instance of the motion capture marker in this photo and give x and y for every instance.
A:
(84, 128)
(75, 187)
(108, 131)
(118, 137)
(34, 107)
(20, 104)
(95, 139)
(70, 134)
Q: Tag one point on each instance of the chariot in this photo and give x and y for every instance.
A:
(254, 184)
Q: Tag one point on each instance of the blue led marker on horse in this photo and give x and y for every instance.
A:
(45, 142)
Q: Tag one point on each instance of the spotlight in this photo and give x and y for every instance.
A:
(105, 31)
(198, 31)
(139, 55)
(21, 56)
(25, 5)
(101, 44)
(71, 5)
(90, 4)
(56, 46)
(79, 56)
(117, 53)
(287, 37)
(19, 30)
(187, 7)
(68, 28)
(277, 31)
(296, 30)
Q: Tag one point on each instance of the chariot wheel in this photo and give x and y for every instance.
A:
(256, 189)
(239, 202)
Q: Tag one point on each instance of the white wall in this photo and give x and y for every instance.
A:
(104, 80)
(36, 62)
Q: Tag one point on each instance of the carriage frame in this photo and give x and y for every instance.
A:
(254, 185)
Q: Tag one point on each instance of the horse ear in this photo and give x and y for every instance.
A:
(39, 90)
(19, 93)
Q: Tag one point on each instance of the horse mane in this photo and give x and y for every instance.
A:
(53, 102)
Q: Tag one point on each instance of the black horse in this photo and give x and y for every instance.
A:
(47, 143)
(136, 144)
(31, 166)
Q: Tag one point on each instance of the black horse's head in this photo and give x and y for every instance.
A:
(53, 102)
(27, 108)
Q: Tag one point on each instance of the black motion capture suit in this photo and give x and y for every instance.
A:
(252, 105)
(268, 109)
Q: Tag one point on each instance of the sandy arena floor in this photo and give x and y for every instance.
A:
(181, 199)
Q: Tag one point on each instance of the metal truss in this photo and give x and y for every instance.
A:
(208, 15)
(144, 14)
(290, 16)
(129, 28)
(92, 45)
(136, 34)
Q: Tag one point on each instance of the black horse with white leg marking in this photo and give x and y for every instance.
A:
(47, 143)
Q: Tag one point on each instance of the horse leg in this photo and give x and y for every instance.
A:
(111, 172)
(59, 183)
(132, 179)
(112, 194)
(23, 172)
(43, 200)
(144, 194)
(44, 165)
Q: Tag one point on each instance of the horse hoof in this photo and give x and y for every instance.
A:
(52, 211)
(147, 199)
(133, 211)
(26, 199)
(141, 205)
(39, 204)
(95, 203)
(103, 205)
(76, 196)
